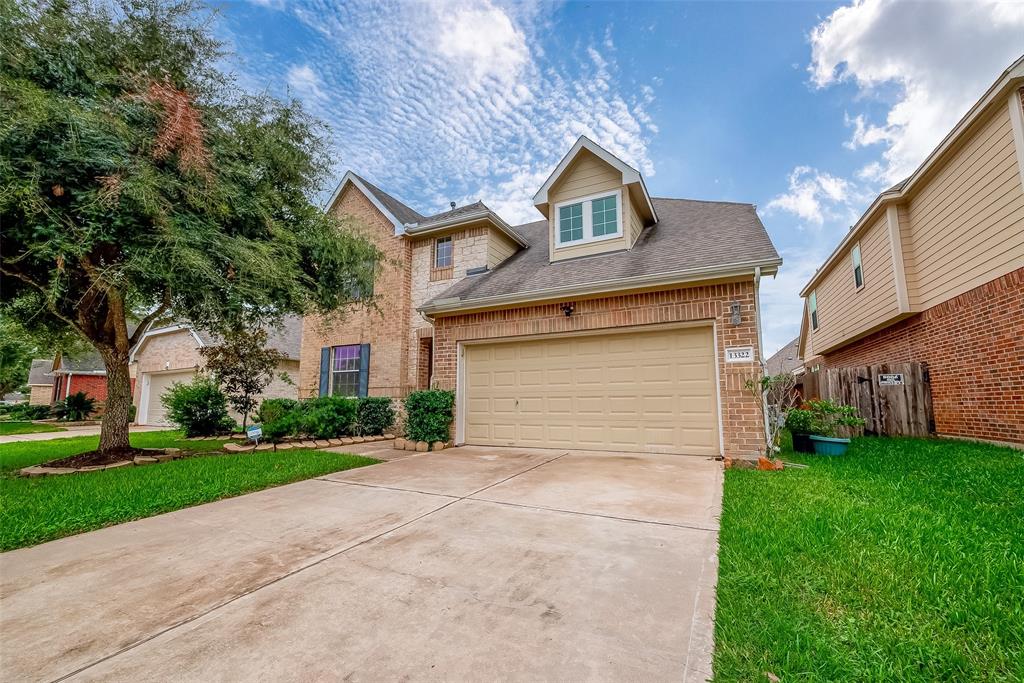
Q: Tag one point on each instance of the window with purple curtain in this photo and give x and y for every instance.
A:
(345, 370)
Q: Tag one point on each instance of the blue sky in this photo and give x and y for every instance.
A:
(805, 109)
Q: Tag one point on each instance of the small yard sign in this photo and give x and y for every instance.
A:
(890, 380)
(739, 354)
(254, 432)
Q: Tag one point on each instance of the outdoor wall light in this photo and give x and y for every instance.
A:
(568, 309)
(734, 308)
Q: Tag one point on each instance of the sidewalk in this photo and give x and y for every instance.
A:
(92, 430)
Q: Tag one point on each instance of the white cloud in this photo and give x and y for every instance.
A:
(813, 195)
(940, 57)
(925, 64)
(305, 81)
(454, 101)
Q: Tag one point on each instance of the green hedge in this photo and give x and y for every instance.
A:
(199, 407)
(327, 417)
(429, 415)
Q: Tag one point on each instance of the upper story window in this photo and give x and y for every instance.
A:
(858, 269)
(812, 303)
(590, 219)
(443, 252)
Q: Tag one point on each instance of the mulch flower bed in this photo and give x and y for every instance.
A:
(93, 461)
(96, 458)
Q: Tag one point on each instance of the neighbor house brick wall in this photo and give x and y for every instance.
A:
(41, 395)
(742, 417)
(386, 329)
(178, 350)
(974, 347)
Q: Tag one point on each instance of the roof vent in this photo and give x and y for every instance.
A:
(452, 204)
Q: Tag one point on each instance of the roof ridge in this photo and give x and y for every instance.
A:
(703, 201)
(385, 197)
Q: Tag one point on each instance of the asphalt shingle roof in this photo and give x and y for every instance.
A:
(786, 359)
(287, 339)
(40, 372)
(475, 207)
(399, 210)
(690, 234)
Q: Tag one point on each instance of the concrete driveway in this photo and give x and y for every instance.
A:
(468, 564)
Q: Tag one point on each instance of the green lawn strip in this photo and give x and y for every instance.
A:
(14, 456)
(903, 560)
(11, 428)
(41, 509)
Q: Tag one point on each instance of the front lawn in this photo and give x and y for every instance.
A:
(41, 509)
(903, 560)
(10, 428)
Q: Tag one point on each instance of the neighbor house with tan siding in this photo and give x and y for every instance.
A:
(934, 272)
(616, 321)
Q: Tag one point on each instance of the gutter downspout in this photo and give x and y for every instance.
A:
(760, 355)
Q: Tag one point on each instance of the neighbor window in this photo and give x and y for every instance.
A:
(345, 370)
(858, 270)
(592, 218)
(813, 304)
(443, 252)
(570, 223)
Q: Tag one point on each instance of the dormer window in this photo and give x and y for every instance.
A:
(590, 219)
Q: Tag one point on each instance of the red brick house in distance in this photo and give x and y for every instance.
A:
(616, 321)
(933, 272)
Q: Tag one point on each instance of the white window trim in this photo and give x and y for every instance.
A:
(855, 249)
(437, 240)
(588, 219)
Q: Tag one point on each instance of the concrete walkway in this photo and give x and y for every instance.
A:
(468, 564)
(92, 430)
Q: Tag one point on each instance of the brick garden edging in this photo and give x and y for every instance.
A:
(305, 443)
(421, 446)
(154, 455)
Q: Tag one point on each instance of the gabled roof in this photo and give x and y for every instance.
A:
(287, 339)
(477, 211)
(40, 372)
(630, 175)
(395, 211)
(1009, 80)
(85, 363)
(693, 240)
(786, 359)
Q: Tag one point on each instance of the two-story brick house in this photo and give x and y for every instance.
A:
(617, 321)
(933, 272)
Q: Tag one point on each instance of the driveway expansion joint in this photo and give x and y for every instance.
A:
(297, 570)
(693, 527)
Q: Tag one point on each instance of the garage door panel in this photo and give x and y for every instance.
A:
(641, 390)
(159, 384)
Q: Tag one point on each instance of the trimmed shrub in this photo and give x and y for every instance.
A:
(199, 407)
(328, 417)
(24, 411)
(374, 415)
(280, 417)
(76, 407)
(429, 415)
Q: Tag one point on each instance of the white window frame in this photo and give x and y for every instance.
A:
(812, 310)
(451, 255)
(857, 261)
(588, 219)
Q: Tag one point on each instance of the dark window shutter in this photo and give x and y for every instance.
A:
(364, 370)
(325, 370)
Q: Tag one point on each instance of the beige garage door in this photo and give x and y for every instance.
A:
(158, 384)
(650, 391)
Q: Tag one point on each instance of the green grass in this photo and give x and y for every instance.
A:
(10, 428)
(901, 561)
(41, 509)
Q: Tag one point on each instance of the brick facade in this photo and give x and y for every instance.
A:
(974, 347)
(742, 418)
(387, 330)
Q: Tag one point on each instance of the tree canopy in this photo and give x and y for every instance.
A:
(136, 179)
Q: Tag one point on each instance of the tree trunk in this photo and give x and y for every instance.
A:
(114, 427)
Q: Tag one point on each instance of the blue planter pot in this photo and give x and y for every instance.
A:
(827, 445)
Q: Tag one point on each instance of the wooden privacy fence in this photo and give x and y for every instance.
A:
(895, 399)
